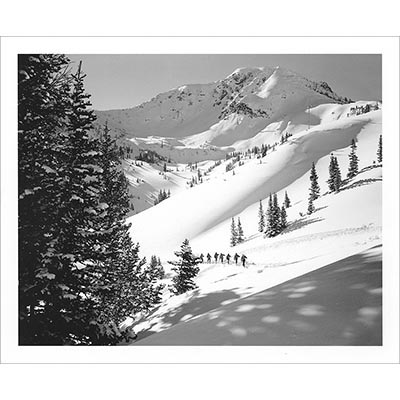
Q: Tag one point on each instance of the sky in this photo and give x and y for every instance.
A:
(126, 80)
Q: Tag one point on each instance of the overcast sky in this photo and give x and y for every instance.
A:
(123, 81)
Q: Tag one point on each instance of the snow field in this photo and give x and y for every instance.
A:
(205, 211)
(344, 223)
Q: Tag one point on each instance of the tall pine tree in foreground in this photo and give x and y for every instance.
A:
(59, 308)
(79, 272)
(233, 239)
(43, 103)
(127, 285)
(261, 216)
(379, 151)
(353, 161)
(186, 269)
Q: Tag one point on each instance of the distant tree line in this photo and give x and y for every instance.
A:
(335, 181)
(162, 195)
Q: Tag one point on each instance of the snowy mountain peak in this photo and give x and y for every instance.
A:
(223, 112)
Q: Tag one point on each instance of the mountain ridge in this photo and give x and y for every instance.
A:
(255, 93)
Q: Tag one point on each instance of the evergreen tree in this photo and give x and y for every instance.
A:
(186, 269)
(153, 289)
(156, 266)
(269, 218)
(276, 213)
(283, 218)
(261, 221)
(65, 309)
(335, 177)
(337, 180)
(273, 216)
(264, 150)
(43, 103)
(127, 285)
(115, 249)
(234, 234)
(314, 189)
(287, 201)
(311, 207)
(240, 234)
(79, 272)
(379, 151)
(332, 173)
(353, 161)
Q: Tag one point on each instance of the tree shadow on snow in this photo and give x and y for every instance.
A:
(301, 223)
(360, 182)
(196, 305)
(339, 304)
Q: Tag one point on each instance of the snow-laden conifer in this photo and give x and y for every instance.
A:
(283, 218)
(273, 216)
(353, 161)
(314, 188)
(261, 216)
(186, 269)
(240, 233)
(234, 234)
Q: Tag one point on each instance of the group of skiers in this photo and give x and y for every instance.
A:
(222, 257)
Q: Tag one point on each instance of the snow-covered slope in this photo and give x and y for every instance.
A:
(344, 224)
(203, 213)
(195, 128)
(339, 304)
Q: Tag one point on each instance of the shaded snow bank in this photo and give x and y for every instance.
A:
(340, 304)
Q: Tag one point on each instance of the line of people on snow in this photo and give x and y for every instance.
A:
(221, 257)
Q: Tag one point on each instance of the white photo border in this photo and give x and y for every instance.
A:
(388, 47)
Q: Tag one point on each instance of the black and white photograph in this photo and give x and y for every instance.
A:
(200, 199)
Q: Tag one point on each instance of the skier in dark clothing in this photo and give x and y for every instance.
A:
(209, 258)
(221, 257)
(228, 257)
(216, 256)
(236, 257)
(202, 257)
(243, 260)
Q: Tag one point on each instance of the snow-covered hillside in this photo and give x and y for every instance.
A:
(204, 122)
(344, 224)
(203, 213)
(204, 138)
(338, 304)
